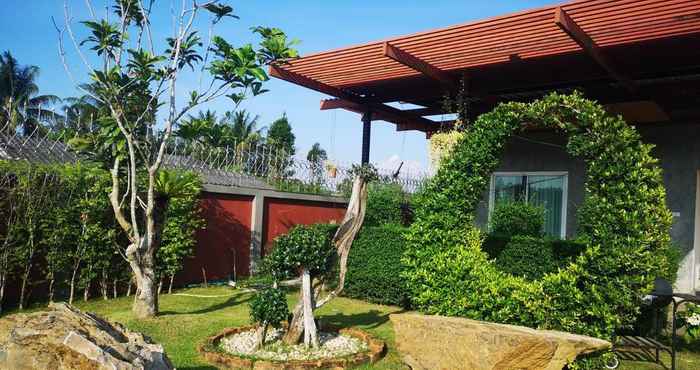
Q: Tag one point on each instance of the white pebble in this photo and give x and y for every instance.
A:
(332, 345)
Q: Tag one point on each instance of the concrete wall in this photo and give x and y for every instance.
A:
(676, 145)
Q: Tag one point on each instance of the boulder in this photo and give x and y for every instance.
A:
(63, 338)
(437, 342)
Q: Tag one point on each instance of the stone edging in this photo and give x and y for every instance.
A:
(229, 361)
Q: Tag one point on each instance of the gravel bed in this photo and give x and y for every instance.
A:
(333, 345)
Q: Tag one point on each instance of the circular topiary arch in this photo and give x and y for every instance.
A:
(623, 218)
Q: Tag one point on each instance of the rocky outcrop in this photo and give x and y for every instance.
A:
(437, 342)
(64, 338)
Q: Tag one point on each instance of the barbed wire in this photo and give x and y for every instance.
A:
(245, 164)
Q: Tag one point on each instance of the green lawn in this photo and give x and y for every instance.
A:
(188, 319)
(185, 321)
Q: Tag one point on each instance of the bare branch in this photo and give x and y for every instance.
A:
(67, 19)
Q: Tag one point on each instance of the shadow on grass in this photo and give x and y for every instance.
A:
(231, 301)
(203, 367)
(369, 320)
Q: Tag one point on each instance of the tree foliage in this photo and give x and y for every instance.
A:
(303, 247)
(58, 227)
(182, 220)
(269, 306)
(21, 106)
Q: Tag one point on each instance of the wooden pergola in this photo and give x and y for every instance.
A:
(639, 57)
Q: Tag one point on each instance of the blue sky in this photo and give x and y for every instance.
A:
(26, 30)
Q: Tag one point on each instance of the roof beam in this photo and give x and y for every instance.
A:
(419, 65)
(387, 113)
(576, 33)
(327, 104)
(352, 107)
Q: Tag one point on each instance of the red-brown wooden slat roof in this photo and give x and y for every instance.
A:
(528, 34)
(521, 56)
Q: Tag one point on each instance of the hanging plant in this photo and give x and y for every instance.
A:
(331, 168)
(440, 145)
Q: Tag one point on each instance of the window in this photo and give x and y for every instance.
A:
(547, 189)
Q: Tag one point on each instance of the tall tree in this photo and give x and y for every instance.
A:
(20, 102)
(230, 131)
(138, 86)
(316, 156)
(280, 134)
(244, 126)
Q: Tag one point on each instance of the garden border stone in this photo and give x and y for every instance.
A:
(211, 354)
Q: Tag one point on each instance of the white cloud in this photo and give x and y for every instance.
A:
(410, 167)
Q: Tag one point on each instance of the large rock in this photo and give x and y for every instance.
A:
(64, 338)
(437, 342)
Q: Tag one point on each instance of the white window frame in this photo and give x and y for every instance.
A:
(565, 191)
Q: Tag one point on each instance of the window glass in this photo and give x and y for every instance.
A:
(546, 191)
(509, 188)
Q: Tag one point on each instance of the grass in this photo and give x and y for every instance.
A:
(185, 321)
(189, 316)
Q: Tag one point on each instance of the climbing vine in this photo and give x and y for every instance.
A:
(623, 217)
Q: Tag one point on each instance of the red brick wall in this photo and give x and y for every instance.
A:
(282, 214)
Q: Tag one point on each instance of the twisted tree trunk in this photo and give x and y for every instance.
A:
(310, 332)
(347, 231)
(141, 258)
(146, 297)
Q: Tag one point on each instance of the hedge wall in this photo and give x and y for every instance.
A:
(374, 265)
(623, 218)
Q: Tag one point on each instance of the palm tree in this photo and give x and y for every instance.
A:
(316, 156)
(231, 131)
(243, 125)
(21, 106)
(80, 114)
(198, 129)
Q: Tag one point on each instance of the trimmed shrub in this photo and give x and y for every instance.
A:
(493, 245)
(527, 257)
(269, 306)
(384, 205)
(304, 246)
(517, 218)
(566, 251)
(374, 266)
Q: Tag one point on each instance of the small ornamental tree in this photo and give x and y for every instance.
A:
(342, 240)
(308, 251)
(268, 307)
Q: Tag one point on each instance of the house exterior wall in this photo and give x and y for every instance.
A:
(676, 145)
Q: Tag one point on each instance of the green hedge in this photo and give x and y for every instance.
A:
(517, 218)
(374, 265)
(528, 257)
(384, 204)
